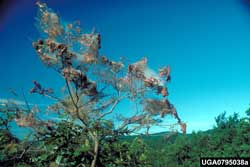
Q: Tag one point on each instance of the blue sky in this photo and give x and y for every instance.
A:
(206, 43)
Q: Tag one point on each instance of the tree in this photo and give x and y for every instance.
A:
(94, 86)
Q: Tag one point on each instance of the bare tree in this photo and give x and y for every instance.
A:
(96, 85)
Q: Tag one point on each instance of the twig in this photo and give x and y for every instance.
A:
(26, 101)
(52, 97)
(71, 96)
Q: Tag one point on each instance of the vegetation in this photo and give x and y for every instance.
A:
(229, 138)
(88, 125)
(68, 146)
(89, 131)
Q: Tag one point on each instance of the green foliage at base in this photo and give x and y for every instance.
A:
(230, 138)
(67, 145)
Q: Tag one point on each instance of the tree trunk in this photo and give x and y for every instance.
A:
(96, 145)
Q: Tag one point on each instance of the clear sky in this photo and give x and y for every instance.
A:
(206, 43)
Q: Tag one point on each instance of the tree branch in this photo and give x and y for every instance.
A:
(111, 110)
(75, 104)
